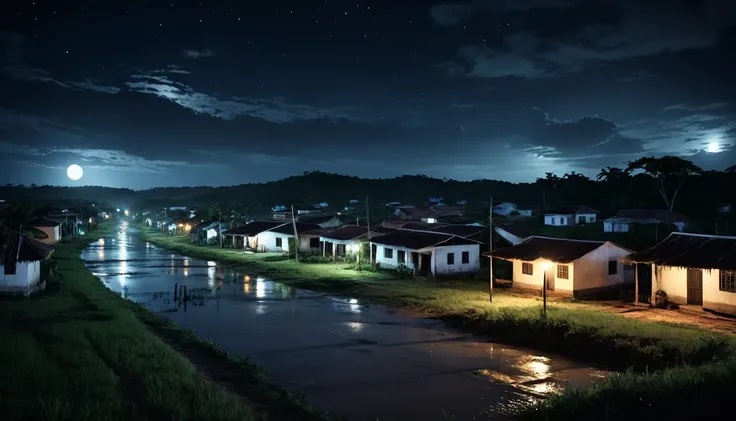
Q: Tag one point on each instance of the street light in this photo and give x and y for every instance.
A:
(546, 265)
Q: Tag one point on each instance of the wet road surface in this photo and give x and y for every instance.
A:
(364, 361)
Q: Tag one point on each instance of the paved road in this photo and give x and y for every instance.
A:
(367, 362)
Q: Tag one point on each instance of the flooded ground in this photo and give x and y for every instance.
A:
(367, 362)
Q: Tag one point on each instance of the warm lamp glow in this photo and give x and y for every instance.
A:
(546, 264)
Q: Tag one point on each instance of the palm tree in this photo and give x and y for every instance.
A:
(611, 174)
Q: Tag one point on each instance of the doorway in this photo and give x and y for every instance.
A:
(695, 286)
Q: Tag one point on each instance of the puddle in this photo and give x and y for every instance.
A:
(349, 358)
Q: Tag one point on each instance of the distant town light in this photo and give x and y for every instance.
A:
(118, 209)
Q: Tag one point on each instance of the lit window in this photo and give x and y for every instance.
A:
(727, 281)
(562, 272)
(527, 268)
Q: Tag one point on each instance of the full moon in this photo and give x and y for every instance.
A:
(74, 172)
(713, 147)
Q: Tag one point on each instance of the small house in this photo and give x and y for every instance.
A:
(572, 267)
(52, 229)
(624, 219)
(724, 208)
(427, 252)
(577, 215)
(253, 236)
(693, 269)
(508, 208)
(308, 234)
(344, 240)
(26, 276)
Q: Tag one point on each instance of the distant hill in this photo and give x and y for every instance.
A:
(698, 198)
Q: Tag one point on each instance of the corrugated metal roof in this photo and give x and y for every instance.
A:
(256, 227)
(347, 232)
(561, 250)
(419, 239)
(700, 251)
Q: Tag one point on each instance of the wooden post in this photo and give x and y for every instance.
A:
(296, 236)
(544, 292)
(490, 248)
(324, 247)
(636, 282)
(368, 224)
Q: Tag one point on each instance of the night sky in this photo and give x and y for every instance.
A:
(153, 93)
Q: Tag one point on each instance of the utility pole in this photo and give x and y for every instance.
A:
(296, 236)
(368, 224)
(490, 247)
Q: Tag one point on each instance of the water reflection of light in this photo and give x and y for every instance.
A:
(101, 254)
(261, 309)
(246, 287)
(211, 263)
(186, 262)
(211, 276)
(536, 366)
(354, 306)
(260, 287)
(101, 241)
(355, 327)
(186, 272)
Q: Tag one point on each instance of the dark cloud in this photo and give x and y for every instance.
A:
(585, 137)
(641, 29)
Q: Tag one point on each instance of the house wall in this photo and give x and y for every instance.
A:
(615, 226)
(267, 242)
(439, 259)
(673, 281)
(211, 233)
(525, 212)
(554, 219)
(27, 275)
(589, 217)
(393, 262)
(591, 270)
(536, 279)
(625, 225)
(54, 234)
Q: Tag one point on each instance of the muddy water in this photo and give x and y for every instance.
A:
(367, 362)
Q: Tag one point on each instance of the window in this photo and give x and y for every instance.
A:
(466, 257)
(562, 272)
(450, 258)
(727, 281)
(278, 242)
(527, 268)
(591, 219)
(401, 257)
(314, 243)
(388, 253)
(612, 267)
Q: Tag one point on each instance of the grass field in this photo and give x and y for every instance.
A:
(574, 329)
(80, 352)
